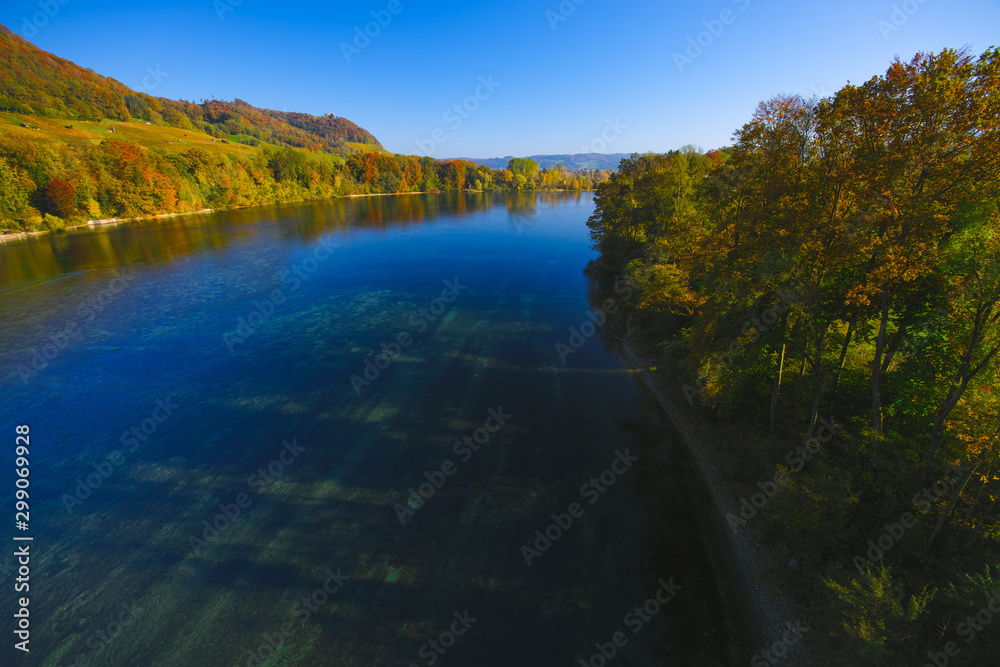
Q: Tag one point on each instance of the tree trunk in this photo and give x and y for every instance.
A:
(972, 507)
(984, 517)
(893, 345)
(814, 416)
(843, 354)
(820, 380)
(937, 430)
(876, 379)
(954, 499)
(777, 386)
(966, 373)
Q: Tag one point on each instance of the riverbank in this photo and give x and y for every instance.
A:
(470, 546)
(105, 222)
(765, 564)
(15, 236)
(387, 194)
(118, 221)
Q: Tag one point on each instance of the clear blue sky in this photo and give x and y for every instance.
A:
(558, 87)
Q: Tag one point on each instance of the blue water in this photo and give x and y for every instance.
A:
(206, 376)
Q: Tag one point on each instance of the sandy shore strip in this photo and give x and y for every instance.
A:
(17, 236)
(117, 221)
(105, 222)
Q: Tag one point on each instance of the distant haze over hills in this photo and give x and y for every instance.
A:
(574, 162)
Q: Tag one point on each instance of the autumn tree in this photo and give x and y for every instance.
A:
(60, 198)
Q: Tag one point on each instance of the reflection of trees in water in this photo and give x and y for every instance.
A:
(523, 210)
(165, 239)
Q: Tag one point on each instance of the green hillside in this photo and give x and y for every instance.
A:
(36, 83)
(77, 146)
(20, 127)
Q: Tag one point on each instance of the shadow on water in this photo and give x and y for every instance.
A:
(213, 584)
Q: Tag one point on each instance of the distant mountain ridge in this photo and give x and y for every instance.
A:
(36, 83)
(574, 162)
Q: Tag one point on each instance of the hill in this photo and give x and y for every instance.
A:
(77, 146)
(577, 162)
(36, 83)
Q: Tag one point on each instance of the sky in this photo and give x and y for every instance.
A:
(518, 77)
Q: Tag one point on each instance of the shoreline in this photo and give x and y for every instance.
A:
(763, 566)
(389, 194)
(104, 222)
(110, 222)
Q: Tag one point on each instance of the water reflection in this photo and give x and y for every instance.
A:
(162, 338)
(164, 239)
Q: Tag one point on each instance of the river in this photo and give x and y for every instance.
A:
(369, 431)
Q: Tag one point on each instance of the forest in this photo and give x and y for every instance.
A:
(118, 153)
(839, 266)
(47, 185)
(37, 83)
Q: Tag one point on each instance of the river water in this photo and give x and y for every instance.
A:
(233, 417)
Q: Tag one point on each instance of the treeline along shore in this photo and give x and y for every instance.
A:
(836, 273)
(47, 185)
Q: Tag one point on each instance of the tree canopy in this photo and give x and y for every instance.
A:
(842, 256)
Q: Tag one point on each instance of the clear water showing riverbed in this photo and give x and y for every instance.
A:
(228, 414)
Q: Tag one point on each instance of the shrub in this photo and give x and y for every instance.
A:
(879, 617)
